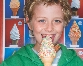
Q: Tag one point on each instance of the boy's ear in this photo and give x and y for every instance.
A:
(28, 22)
(29, 25)
(26, 19)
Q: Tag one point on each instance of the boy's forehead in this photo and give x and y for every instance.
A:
(50, 7)
(46, 5)
(50, 10)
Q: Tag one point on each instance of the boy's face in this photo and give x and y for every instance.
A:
(47, 20)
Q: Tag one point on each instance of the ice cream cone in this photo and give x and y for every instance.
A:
(14, 10)
(47, 60)
(14, 42)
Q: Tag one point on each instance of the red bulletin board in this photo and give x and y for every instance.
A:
(1, 27)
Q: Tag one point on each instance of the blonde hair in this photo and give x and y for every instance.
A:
(30, 4)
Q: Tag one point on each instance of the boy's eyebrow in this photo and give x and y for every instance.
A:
(59, 18)
(40, 17)
(54, 17)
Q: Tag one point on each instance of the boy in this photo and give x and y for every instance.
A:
(45, 18)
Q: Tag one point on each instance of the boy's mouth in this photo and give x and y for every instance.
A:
(52, 36)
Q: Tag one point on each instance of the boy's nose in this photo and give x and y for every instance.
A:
(49, 27)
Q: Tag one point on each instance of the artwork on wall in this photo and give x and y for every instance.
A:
(14, 22)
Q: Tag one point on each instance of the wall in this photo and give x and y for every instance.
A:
(1, 23)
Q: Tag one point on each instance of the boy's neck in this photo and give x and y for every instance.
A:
(37, 47)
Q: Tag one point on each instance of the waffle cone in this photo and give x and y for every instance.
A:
(14, 42)
(14, 10)
(47, 60)
(74, 13)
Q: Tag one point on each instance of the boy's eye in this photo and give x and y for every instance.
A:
(57, 21)
(41, 20)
